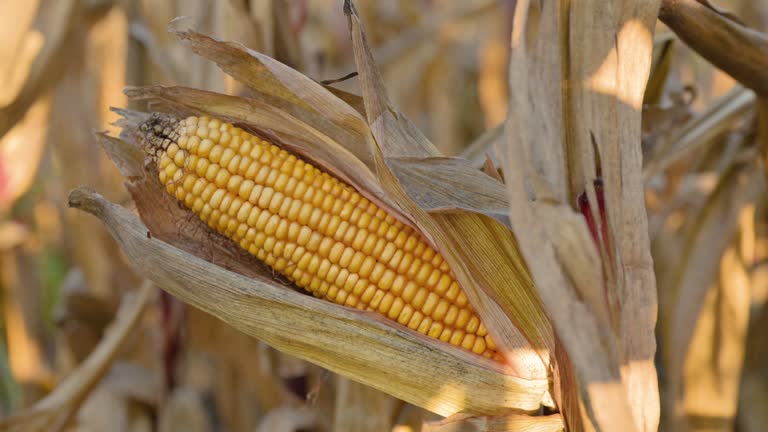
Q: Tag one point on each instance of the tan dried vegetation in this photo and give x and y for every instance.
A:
(582, 248)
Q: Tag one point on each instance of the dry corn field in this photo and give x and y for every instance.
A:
(385, 216)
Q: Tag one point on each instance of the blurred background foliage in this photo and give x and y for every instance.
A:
(62, 277)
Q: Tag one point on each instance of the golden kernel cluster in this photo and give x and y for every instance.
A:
(317, 231)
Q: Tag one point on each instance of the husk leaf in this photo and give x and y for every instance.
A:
(451, 185)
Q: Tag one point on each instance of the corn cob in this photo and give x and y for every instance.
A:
(312, 228)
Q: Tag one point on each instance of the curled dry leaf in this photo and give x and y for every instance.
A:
(450, 185)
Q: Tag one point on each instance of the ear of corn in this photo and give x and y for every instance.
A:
(309, 226)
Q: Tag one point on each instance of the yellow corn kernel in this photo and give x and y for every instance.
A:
(309, 226)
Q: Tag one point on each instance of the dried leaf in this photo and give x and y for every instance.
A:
(448, 185)
(561, 137)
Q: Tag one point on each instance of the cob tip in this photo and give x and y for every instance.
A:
(157, 133)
